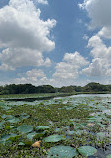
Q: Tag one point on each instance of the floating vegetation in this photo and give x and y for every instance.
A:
(87, 150)
(25, 128)
(108, 156)
(54, 138)
(42, 128)
(61, 151)
(61, 127)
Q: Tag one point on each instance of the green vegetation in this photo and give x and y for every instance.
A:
(26, 89)
(74, 126)
(31, 89)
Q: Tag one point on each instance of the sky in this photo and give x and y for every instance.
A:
(55, 42)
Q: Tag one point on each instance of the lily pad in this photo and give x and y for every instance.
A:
(102, 135)
(54, 138)
(7, 116)
(21, 144)
(31, 135)
(6, 107)
(39, 134)
(10, 111)
(42, 128)
(57, 129)
(24, 116)
(1, 124)
(70, 132)
(61, 151)
(25, 128)
(6, 137)
(87, 150)
(13, 120)
(108, 156)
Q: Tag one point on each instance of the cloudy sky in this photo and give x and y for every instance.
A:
(56, 42)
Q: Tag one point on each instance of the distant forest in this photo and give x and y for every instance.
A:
(29, 88)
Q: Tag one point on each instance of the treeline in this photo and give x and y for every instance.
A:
(26, 89)
(29, 88)
(90, 87)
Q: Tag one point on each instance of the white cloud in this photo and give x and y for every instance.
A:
(47, 62)
(96, 68)
(99, 48)
(42, 1)
(31, 76)
(66, 72)
(13, 58)
(35, 77)
(69, 68)
(105, 32)
(99, 11)
(85, 37)
(101, 64)
(35, 73)
(23, 34)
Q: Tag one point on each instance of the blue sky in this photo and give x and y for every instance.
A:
(57, 42)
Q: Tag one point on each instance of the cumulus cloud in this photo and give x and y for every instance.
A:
(13, 58)
(85, 37)
(96, 68)
(42, 1)
(99, 11)
(31, 76)
(101, 64)
(23, 35)
(105, 32)
(35, 77)
(66, 72)
(69, 67)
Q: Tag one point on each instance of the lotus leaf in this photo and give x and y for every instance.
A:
(57, 129)
(61, 151)
(6, 137)
(54, 138)
(31, 135)
(25, 128)
(1, 124)
(24, 116)
(42, 128)
(13, 120)
(21, 144)
(40, 134)
(6, 108)
(103, 134)
(7, 116)
(14, 137)
(10, 111)
(8, 127)
(70, 132)
(87, 150)
(108, 156)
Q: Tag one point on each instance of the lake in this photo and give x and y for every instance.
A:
(78, 122)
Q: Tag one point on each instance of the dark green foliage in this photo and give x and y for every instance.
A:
(90, 87)
(29, 88)
(26, 89)
(96, 87)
